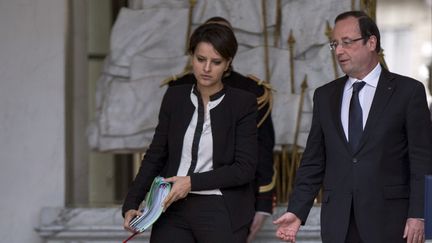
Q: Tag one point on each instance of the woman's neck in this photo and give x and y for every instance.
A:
(207, 91)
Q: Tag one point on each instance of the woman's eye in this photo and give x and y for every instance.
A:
(217, 62)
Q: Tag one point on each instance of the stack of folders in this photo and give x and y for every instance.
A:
(153, 205)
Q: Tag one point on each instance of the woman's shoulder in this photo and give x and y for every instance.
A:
(177, 93)
(179, 89)
(239, 95)
(249, 83)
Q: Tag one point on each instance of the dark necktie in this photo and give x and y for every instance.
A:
(355, 123)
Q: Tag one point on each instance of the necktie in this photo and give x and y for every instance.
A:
(355, 123)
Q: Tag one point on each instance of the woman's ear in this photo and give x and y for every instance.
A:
(191, 56)
(228, 64)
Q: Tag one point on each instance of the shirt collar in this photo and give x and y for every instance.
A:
(215, 99)
(371, 78)
(214, 96)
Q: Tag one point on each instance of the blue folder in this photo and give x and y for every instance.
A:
(428, 206)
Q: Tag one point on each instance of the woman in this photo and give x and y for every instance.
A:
(206, 145)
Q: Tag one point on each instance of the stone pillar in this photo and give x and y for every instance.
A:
(77, 151)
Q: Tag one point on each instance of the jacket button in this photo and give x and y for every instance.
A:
(354, 160)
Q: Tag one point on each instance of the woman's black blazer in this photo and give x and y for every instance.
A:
(234, 131)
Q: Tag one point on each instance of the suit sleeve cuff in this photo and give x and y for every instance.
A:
(264, 202)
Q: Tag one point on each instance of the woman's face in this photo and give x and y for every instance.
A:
(208, 66)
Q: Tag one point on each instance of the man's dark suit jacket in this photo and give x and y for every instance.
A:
(234, 131)
(264, 184)
(384, 178)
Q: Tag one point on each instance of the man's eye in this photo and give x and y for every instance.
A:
(347, 42)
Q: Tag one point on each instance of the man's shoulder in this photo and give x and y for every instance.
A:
(332, 84)
(403, 85)
(399, 78)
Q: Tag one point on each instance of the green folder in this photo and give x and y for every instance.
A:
(153, 205)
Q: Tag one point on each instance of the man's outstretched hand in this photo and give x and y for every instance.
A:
(287, 227)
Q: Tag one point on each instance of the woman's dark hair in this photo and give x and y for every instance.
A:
(219, 36)
(367, 26)
(218, 20)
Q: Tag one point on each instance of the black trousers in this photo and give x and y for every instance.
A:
(197, 219)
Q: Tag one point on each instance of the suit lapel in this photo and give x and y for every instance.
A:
(336, 101)
(181, 122)
(384, 91)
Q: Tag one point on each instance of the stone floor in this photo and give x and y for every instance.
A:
(104, 225)
(97, 225)
(309, 233)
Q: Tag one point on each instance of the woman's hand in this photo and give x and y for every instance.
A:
(129, 215)
(257, 224)
(181, 187)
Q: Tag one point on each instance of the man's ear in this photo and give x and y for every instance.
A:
(372, 42)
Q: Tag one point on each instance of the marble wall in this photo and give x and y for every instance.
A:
(32, 123)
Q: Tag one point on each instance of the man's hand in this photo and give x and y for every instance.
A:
(257, 223)
(414, 231)
(129, 215)
(288, 226)
(181, 187)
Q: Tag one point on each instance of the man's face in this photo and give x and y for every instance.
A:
(356, 58)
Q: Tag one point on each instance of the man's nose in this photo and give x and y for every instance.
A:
(339, 49)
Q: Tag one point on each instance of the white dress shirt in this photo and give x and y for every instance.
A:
(366, 96)
(205, 146)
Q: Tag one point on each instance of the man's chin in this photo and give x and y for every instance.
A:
(344, 67)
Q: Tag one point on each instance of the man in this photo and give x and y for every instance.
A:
(369, 148)
(264, 180)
